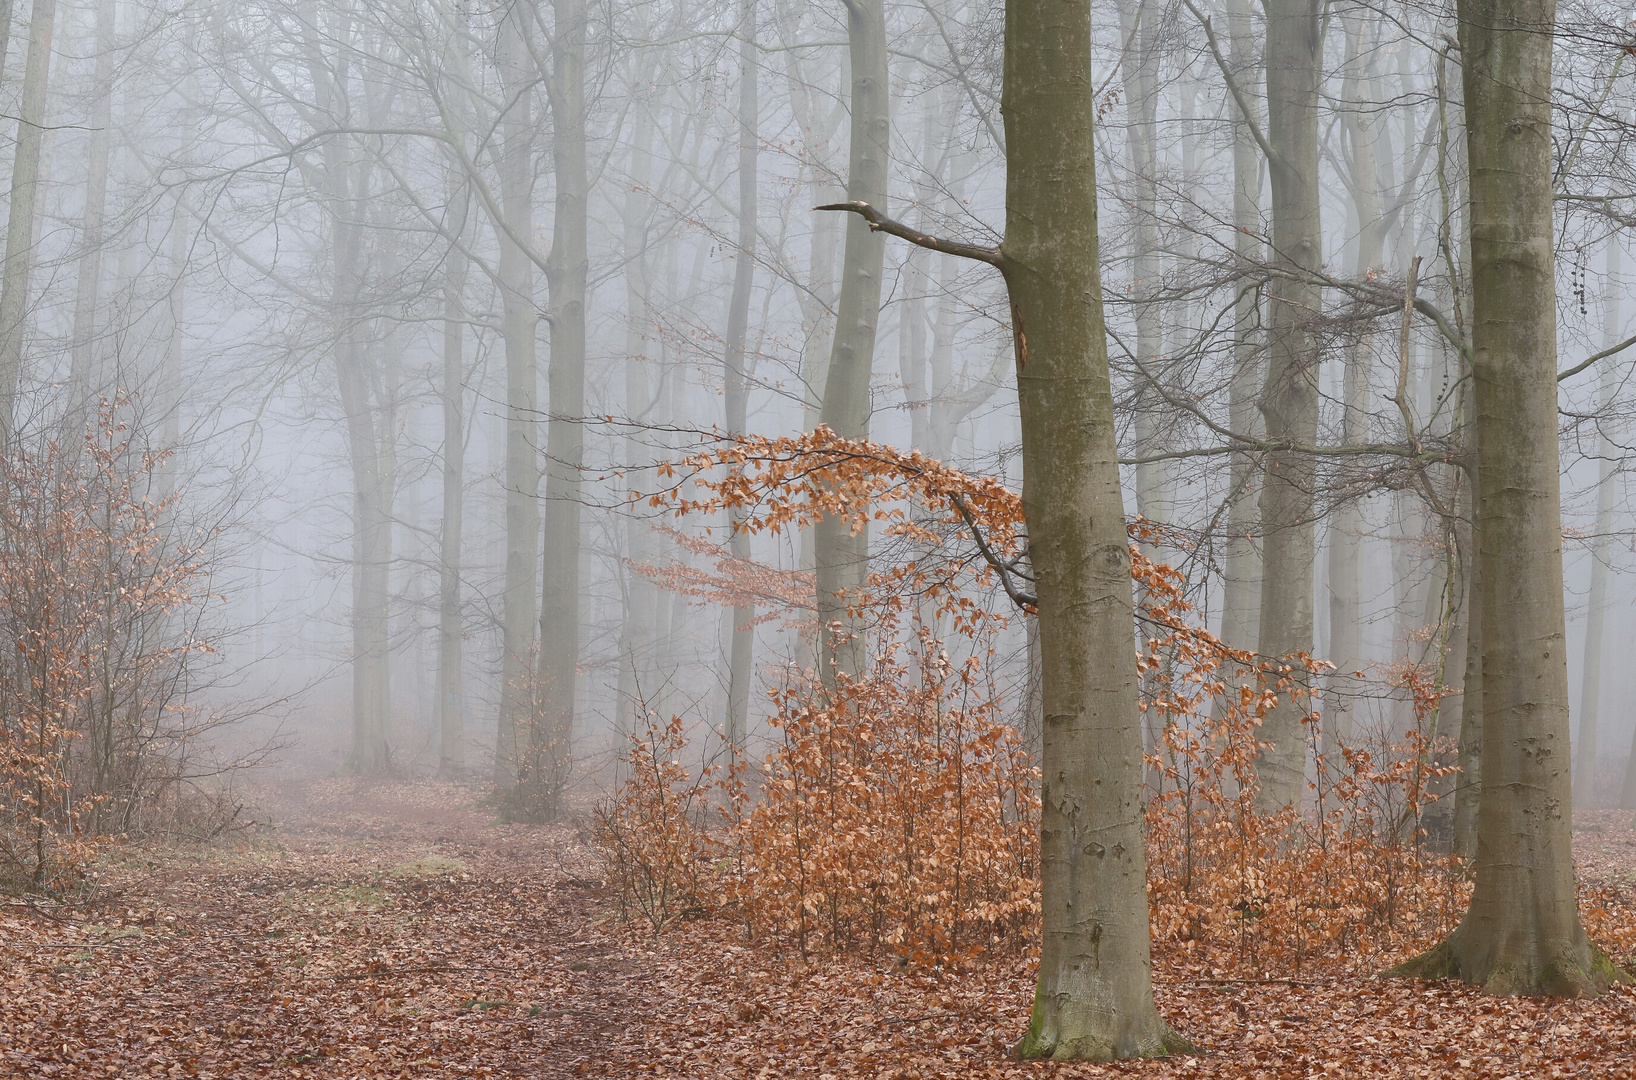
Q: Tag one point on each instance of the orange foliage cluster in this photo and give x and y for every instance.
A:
(900, 811)
(85, 571)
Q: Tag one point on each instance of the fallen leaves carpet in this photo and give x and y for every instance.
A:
(395, 931)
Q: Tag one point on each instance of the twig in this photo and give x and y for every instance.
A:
(412, 971)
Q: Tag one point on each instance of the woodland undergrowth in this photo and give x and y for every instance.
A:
(897, 813)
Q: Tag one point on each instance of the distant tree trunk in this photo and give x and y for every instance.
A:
(1095, 993)
(522, 469)
(1290, 403)
(1346, 523)
(1590, 684)
(566, 271)
(1521, 934)
(83, 383)
(638, 627)
(1241, 585)
(842, 556)
(25, 187)
(735, 376)
(451, 683)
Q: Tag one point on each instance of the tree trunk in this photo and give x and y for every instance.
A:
(25, 187)
(1290, 403)
(451, 684)
(639, 619)
(1590, 685)
(522, 470)
(741, 617)
(1522, 933)
(842, 555)
(1095, 993)
(1241, 573)
(566, 271)
(83, 382)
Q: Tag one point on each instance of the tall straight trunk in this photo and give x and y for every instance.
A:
(842, 555)
(1139, 74)
(1095, 992)
(82, 380)
(25, 187)
(1346, 526)
(1290, 402)
(566, 271)
(1590, 684)
(638, 627)
(1521, 934)
(1468, 755)
(170, 370)
(735, 376)
(522, 470)
(1241, 572)
(451, 684)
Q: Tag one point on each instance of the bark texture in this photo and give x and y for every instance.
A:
(1522, 933)
(1290, 401)
(1095, 994)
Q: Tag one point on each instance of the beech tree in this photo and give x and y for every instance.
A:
(1522, 933)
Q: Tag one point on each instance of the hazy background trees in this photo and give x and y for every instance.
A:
(430, 288)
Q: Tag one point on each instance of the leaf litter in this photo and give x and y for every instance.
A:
(392, 930)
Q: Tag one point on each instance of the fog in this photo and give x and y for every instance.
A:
(423, 294)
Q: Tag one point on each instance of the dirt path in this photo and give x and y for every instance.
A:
(376, 930)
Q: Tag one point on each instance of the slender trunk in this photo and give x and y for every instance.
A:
(451, 685)
(735, 376)
(842, 555)
(1590, 685)
(639, 620)
(83, 381)
(565, 444)
(1521, 934)
(522, 469)
(1290, 403)
(1095, 992)
(25, 187)
(1346, 526)
(1139, 74)
(1241, 584)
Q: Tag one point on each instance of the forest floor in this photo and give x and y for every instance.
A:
(393, 930)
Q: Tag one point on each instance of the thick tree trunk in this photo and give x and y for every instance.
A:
(842, 555)
(25, 190)
(1590, 679)
(522, 470)
(740, 633)
(566, 271)
(1290, 403)
(1522, 933)
(1095, 993)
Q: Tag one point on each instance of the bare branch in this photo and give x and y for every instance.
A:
(879, 222)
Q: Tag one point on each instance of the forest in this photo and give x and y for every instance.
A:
(994, 538)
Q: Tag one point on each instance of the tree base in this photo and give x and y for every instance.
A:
(1047, 1039)
(1571, 972)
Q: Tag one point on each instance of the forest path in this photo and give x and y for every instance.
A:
(395, 930)
(377, 929)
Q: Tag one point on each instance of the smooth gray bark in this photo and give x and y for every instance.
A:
(1522, 933)
(841, 554)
